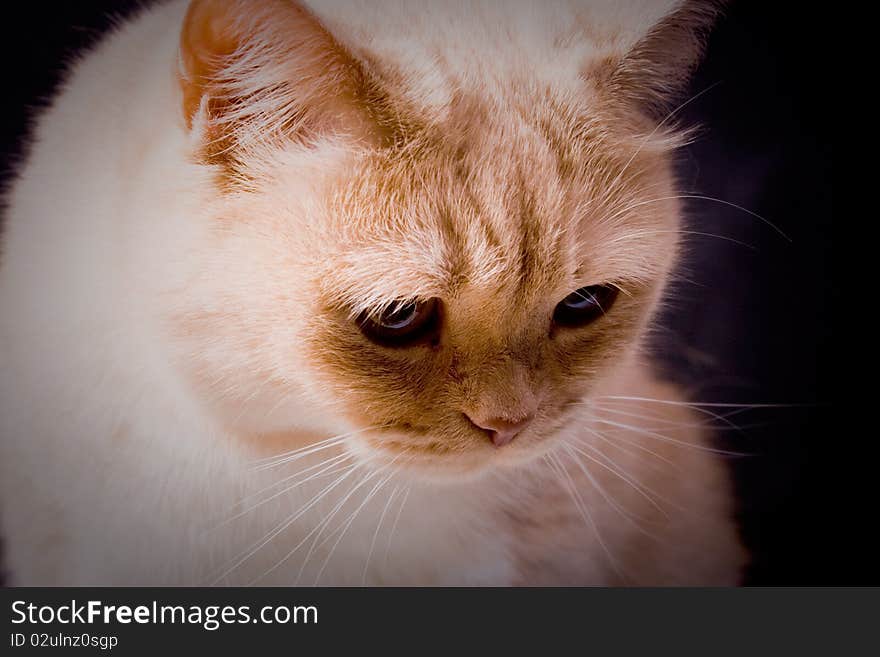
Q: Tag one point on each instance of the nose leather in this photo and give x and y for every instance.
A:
(502, 430)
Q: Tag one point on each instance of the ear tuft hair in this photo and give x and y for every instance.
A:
(655, 70)
(254, 71)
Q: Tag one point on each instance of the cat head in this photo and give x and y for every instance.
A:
(436, 231)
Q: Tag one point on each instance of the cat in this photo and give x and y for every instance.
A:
(356, 293)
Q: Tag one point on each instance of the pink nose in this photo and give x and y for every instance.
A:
(502, 430)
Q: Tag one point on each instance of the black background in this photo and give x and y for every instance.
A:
(753, 326)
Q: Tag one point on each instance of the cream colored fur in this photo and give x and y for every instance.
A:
(152, 335)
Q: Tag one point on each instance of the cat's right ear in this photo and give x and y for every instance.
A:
(255, 71)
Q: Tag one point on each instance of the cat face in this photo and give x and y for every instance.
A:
(447, 284)
(479, 248)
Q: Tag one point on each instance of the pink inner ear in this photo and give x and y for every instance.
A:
(208, 37)
(297, 80)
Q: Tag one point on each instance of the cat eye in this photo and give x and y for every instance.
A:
(403, 324)
(584, 305)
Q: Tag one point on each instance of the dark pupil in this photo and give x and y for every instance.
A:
(584, 305)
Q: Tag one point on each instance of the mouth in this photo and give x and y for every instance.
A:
(426, 453)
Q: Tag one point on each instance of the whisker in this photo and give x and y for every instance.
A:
(616, 470)
(376, 533)
(637, 235)
(348, 524)
(582, 508)
(620, 439)
(329, 518)
(701, 404)
(379, 471)
(705, 407)
(294, 455)
(637, 204)
(318, 529)
(254, 548)
(293, 452)
(328, 466)
(394, 524)
(657, 129)
(707, 423)
(659, 436)
(333, 459)
(702, 424)
(605, 495)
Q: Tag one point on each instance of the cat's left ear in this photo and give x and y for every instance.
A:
(254, 70)
(657, 64)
